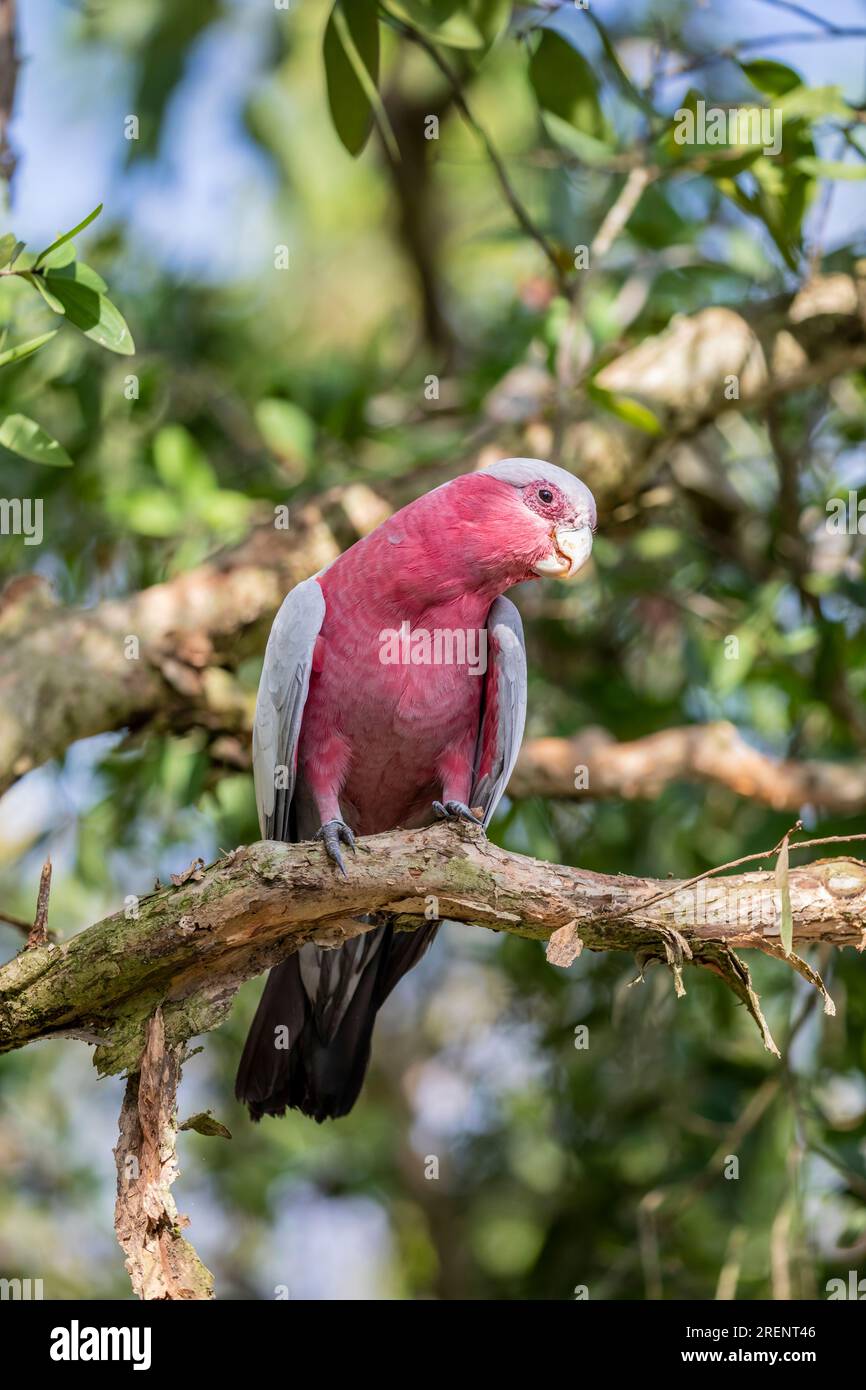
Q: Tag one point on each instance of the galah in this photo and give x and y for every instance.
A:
(364, 724)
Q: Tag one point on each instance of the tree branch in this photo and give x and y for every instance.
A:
(9, 65)
(187, 949)
(717, 753)
(747, 45)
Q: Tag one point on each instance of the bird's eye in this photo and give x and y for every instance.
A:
(545, 495)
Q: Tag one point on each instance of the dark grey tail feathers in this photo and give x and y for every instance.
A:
(309, 1043)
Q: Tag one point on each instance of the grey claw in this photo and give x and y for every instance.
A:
(455, 810)
(331, 834)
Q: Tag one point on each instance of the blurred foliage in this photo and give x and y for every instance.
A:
(559, 1166)
(73, 290)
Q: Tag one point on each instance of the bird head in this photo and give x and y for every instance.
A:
(550, 514)
(479, 534)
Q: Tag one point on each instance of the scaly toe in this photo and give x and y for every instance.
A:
(455, 810)
(331, 834)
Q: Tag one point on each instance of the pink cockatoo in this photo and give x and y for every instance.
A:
(359, 728)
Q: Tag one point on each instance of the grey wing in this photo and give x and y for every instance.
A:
(283, 688)
(503, 711)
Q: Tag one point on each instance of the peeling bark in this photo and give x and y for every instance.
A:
(160, 1263)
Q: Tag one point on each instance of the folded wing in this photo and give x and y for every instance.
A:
(283, 689)
(503, 711)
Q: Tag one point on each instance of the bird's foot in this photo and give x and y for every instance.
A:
(455, 810)
(332, 834)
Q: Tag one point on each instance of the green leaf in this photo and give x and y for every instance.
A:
(657, 543)
(466, 24)
(629, 411)
(781, 192)
(90, 311)
(286, 429)
(80, 272)
(830, 168)
(667, 146)
(774, 79)
(180, 462)
(624, 82)
(729, 668)
(67, 236)
(585, 147)
(565, 85)
(164, 36)
(61, 256)
(153, 512)
(711, 141)
(7, 248)
(38, 283)
(21, 350)
(442, 22)
(655, 222)
(491, 18)
(783, 884)
(815, 103)
(224, 511)
(351, 53)
(30, 441)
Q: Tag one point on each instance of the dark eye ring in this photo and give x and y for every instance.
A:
(545, 495)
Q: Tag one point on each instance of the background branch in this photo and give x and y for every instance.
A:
(9, 65)
(715, 753)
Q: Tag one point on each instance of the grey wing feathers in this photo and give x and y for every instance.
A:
(283, 688)
(504, 708)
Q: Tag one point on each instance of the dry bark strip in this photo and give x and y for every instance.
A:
(38, 934)
(160, 1263)
(190, 947)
